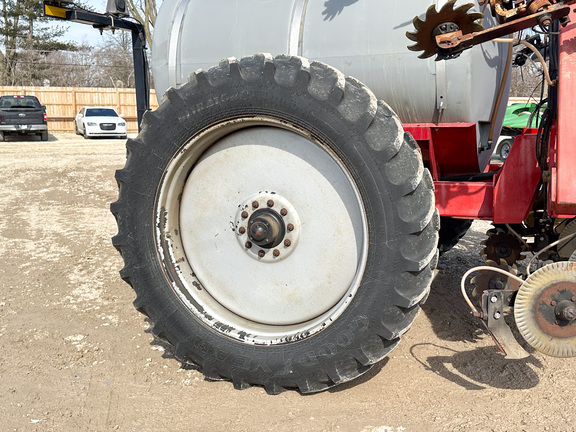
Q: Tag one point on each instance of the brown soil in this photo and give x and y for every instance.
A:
(76, 355)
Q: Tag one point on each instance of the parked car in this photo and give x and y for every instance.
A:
(99, 121)
(22, 115)
(518, 117)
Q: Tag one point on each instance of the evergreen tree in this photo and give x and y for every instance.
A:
(26, 38)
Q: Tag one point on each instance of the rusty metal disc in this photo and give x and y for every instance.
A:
(502, 246)
(545, 309)
(425, 35)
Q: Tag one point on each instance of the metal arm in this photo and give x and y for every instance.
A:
(65, 10)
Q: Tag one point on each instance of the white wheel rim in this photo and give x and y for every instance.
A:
(296, 288)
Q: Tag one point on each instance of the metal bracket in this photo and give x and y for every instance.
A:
(66, 10)
(450, 45)
(494, 304)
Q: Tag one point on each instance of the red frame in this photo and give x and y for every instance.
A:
(450, 150)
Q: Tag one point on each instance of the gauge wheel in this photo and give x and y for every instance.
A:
(277, 224)
(504, 147)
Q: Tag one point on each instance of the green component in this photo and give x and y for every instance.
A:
(518, 115)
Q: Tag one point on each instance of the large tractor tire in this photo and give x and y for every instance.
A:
(277, 224)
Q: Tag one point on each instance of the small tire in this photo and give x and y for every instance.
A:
(451, 231)
(44, 136)
(265, 133)
(2, 136)
(504, 147)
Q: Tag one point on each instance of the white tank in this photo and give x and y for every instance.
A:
(365, 39)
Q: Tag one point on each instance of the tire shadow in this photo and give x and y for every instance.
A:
(445, 308)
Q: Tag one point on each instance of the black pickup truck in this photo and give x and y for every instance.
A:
(23, 115)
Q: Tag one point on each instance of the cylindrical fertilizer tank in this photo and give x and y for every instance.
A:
(365, 39)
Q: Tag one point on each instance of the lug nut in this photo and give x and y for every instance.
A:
(244, 214)
(255, 204)
(283, 212)
(248, 245)
(261, 253)
(276, 253)
(270, 203)
(242, 230)
(287, 242)
(290, 227)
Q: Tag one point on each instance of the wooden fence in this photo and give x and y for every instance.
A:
(63, 103)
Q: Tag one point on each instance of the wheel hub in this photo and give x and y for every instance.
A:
(267, 227)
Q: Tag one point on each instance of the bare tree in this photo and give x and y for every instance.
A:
(114, 60)
(145, 11)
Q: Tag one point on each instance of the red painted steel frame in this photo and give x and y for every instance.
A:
(450, 150)
(505, 198)
(563, 157)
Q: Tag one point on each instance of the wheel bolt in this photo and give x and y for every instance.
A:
(290, 227)
(242, 230)
(255, 204)
(553, 303)
(270, 203)
(261, 253)
(287, 242)
(248, 245)
(244, 214)
(276, 253)
(283, 212)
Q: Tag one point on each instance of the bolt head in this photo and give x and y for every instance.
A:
(255, 204)
(290, 227)
(276, 253)
(553, 303)
(242, 230)
(261, 253)
(283, 212)
(244, 214)
(497, 315)
(493, 299)
(287, 242)
(270, 203)
(248, 245)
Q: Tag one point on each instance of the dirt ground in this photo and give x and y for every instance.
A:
(76, 355)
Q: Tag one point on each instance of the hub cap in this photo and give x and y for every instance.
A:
(265, 229)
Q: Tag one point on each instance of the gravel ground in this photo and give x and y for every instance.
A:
(76, 356)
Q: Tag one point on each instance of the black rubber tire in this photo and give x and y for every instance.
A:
(451, 231)
(2, 136)
(504, 148)
(44, 136)
(384, 162)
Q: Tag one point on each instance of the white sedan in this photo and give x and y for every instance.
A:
(96, 121)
